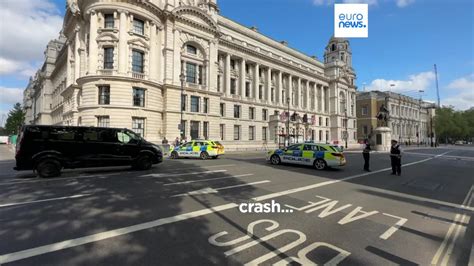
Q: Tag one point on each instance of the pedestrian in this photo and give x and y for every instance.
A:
(176, 142)
(366, 155)
(164, 141)
(396, 158)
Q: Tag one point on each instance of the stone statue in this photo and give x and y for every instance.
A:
(383, 116)
(73, 7)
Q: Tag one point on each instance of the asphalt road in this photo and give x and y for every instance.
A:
(192, 212)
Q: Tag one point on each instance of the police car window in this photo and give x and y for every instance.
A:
(294, 147)
(308, 147)
(320, 148)
(189, 144)
(198, 144)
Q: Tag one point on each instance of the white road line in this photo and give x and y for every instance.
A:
(216, 190)
(44, 200)
(393, 229)
(14, 182)
(456, 223)
(207, 179)
(23, 254)
(182, 174)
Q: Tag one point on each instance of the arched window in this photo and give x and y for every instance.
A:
(191, 49)
(333, 47)
(194, 66)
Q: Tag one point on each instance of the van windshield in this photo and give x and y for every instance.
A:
(128, 137)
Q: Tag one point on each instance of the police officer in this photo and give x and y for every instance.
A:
(366, 155)
(396, 158)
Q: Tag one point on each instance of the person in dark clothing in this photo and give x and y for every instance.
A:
(396, 158)
(366, 155)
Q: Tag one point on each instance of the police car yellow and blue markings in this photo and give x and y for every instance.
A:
(306, 157)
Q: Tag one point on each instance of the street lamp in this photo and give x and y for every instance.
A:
(182, 78)
(288, 121)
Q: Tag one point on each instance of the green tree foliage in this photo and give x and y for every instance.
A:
(15, 119)
(454, 125)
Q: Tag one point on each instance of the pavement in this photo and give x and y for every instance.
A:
(195, 212)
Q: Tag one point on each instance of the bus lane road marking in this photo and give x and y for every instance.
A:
(27, 253)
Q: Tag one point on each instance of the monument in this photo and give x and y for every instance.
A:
(382, 133)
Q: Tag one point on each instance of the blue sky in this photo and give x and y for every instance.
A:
(406, 37)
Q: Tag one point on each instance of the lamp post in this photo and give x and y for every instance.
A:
(182, 78)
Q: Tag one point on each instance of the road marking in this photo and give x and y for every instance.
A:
(181, 174)
(44, 200)
(209, 190)
(207, 179)
(14, 182)
(394, 228)
(455, 225)
(23, 254)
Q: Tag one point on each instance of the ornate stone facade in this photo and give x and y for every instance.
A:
(118, 64)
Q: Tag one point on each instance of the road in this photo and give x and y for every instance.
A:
(194, 212)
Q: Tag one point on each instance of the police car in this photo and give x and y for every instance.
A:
(203, 149)
(318, 155)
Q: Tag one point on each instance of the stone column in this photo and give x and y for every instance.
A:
(278, 89)
(153, 53)
(306, 100)
(290, 90)
(77, 59)
(242, 78)
(256, 81)
(92, 44)
(227, 74)
(123, 47)
(268, 84)
(298, 94)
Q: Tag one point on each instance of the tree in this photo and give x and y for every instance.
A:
(454, 125)
(15, 119)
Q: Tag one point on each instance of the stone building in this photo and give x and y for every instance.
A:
(122, 63)
(411, 120)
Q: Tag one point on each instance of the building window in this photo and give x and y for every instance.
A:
(327, 136)
(272, 96)
(218, 82)
(137, 61)
(222, 131)
(247, 69)
(264, 114)
(247, 89)
(190, 72)
(260, 92)
(232, 64)
(320, 121)
(233, 86)
(251, 132)
(327, 122)
(103, 121)
(236, 111)
(194, 129)
(205, 130)
(109, 58)
(236, 132)
(206, 105)
(183, 127)
(104, 94)
(109, 21)
(138, 97)
(138, 26)
(195, 104)
(252, 113)
(222, 109)
(320, 135)
(138, 126)
(191, 49)
(364, 110)
(201, 75)
(264, 133)
(183, 102)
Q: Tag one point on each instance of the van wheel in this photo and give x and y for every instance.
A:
(275, 159)
(204, 155)
(48, 168)
(143, 163)
(174, 155)
(320, 164)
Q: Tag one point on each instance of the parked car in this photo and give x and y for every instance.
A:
(48, 149)
(459, 142)
(319, 156)
(3, 139)
(198, 148)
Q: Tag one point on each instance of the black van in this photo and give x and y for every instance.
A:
(48, 149)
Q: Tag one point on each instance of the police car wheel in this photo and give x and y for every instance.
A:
(275, 159)
(320, 164)
(204, 155)
(174, 155)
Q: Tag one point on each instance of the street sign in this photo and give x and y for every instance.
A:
(344, 134)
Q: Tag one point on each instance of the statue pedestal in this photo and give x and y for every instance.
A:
(382, 139)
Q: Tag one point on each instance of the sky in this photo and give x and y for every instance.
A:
(406, 38)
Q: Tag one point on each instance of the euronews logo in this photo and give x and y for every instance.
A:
(351, 20)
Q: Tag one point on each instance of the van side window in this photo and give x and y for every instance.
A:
(123, 137)
(62, 134)
(90, 135)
